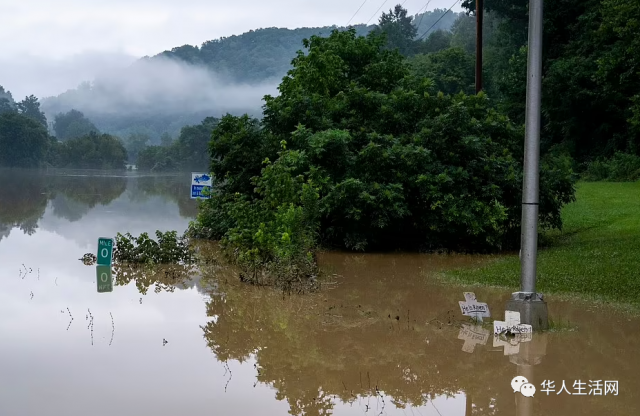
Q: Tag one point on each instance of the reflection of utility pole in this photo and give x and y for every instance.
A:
(530, 353)
(479, 13)
(469, 405)
(532, 307)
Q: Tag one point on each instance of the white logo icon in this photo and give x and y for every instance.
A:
(522, 385)
(528, 390)
(517, 383)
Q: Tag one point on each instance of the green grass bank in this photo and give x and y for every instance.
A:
(596, 256)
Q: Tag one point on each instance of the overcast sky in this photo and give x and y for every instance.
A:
(68, 40)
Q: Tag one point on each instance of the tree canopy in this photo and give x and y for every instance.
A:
(72, 124)
(24, 142)
(357, 152)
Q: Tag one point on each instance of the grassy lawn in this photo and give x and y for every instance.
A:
(597, 255)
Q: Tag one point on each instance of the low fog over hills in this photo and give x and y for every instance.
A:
(188, 83)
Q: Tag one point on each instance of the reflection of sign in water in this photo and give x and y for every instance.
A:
(103, 277)
(105, 250)
(473, 335)
(199, 183)
(471, 307)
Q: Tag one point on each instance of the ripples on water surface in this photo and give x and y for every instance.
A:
(381, 340)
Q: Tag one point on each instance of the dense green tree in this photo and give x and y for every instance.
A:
(452, 70)
(93, 151)
(189, 152)
(158, 159)
(72, 124)
(6, 106)
(30, 107)
(193, 144)
(589, 72)
(399, 30)
(435, 42)
(464, 34)
(24, 142)
(6, 101)
(391, 162)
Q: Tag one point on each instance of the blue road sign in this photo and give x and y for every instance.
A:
(199, 183)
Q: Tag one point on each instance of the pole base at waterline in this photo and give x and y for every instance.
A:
(533, 309)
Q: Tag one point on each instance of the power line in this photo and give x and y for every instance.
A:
(374, 15)
(425, 12)
(443, 15)
(354, 15)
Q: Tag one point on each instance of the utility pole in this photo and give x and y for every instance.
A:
(530, 304)
(479, 13)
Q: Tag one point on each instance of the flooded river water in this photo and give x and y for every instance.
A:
(383, 337)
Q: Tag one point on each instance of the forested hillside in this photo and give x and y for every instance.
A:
(154, 97)
(266, 53)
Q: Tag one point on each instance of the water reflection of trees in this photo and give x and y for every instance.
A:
(24, 195)
(384, 334)
(347, 343)
(164, 277)
(173, 188)
(23, 201)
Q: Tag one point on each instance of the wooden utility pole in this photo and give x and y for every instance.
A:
(479, 13)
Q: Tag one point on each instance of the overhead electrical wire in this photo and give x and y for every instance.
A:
(354, 15)
(436, 22)
(423, 13)
(376, 13)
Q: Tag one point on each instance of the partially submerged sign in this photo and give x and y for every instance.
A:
(512, 328)
(473, 335)
(201, 184)
(105, 250)
(104, 279)
(511, 325)
(471, 307)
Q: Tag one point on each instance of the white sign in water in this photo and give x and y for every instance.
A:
(511, 324)
(201, 182)
(471, 307)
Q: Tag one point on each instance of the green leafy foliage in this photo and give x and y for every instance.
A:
(622, 167)
(72, 124)
(399, 30)
(167, 248)
(189, 152)
(92, 151)
(30, 107)
(451, 69)
(7, 105)
(370, 157)
(24, 142)
(590, 72)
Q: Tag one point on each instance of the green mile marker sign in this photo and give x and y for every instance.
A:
(105, 250)
(103, 277)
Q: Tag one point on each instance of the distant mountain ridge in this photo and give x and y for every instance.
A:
(161, 94)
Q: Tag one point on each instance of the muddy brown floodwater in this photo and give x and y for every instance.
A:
(383, 337)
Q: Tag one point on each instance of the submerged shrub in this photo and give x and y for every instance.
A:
(168, 248)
